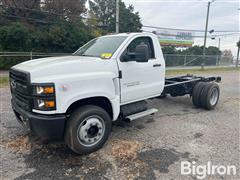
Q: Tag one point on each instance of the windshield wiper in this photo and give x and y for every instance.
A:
(87, 55)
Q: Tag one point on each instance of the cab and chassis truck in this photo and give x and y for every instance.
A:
(77, 98)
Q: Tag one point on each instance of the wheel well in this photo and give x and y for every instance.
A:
(102, 102)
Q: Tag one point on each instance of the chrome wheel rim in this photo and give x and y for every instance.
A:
(91, 131)
(214, 96)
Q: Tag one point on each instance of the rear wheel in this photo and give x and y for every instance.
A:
(87, 129)
(210, 96)
(196, 94)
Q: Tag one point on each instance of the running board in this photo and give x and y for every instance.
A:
(141, 114)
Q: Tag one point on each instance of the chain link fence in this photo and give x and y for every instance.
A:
(8, 59)
(173, 60)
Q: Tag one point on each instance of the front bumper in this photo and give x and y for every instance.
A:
(44, 126)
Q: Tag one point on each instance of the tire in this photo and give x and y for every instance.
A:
(210, 96)
(87, 129)
(197, 90)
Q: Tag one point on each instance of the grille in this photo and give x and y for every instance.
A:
(19, 84)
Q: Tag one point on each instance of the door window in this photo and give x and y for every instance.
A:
(141, 40)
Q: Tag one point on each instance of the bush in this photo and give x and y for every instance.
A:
(15, 37)
(7, 62)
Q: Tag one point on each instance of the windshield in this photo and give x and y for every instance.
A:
(101, 46)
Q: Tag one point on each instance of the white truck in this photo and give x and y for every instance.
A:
(77, 97)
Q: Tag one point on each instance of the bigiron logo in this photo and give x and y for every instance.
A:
(203, 171)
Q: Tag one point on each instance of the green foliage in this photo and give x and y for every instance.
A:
(175, 57)
(211, 50)
(128, 20)
(104, 12)
(65, 37)
(195, 50)
(57, 26)
(3, 81)
(15, 38)
(169, 50)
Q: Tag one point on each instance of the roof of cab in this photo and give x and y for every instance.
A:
(129, 34)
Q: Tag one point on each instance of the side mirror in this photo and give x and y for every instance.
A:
(142, 53)
(128, 57)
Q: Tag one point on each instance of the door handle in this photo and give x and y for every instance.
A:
(157, 65)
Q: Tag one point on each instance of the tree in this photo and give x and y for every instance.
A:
(30, 4)
(227, 53)
(169, 50)
(64, 37)
(104, 11)
(23, 9)
(15, 38)
(211, 50)
(129, 21)
(69, 10)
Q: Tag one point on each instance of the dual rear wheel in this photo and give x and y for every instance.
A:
(205, 95)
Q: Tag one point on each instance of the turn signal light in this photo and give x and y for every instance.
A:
(49, 104)
(48, 90)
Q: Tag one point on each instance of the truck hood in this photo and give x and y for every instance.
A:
(52, 67)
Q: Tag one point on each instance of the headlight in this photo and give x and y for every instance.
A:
(44, 97)
(44, 104)
(45, 89)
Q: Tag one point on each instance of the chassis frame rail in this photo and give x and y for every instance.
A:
(182, 85)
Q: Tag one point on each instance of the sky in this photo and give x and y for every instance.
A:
(191, 14)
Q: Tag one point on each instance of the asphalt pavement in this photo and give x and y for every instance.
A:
(149, 148)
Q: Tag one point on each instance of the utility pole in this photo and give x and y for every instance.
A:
(205, 37)
(219, 43)
(117, 16)
(219, 56)
(237, 60)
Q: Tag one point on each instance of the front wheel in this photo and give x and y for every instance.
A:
(87, 129)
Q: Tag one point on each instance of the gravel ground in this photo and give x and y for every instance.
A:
(148, 148)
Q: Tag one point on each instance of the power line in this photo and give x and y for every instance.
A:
(32, 19)
(178, 29)
(47, 12)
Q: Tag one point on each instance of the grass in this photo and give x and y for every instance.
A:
(3, 81)
(199, 71)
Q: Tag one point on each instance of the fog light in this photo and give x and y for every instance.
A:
(40, 103)
(45, 104)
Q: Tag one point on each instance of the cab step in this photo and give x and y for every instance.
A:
(141, 114)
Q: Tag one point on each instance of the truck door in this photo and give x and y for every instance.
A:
(141, 80)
